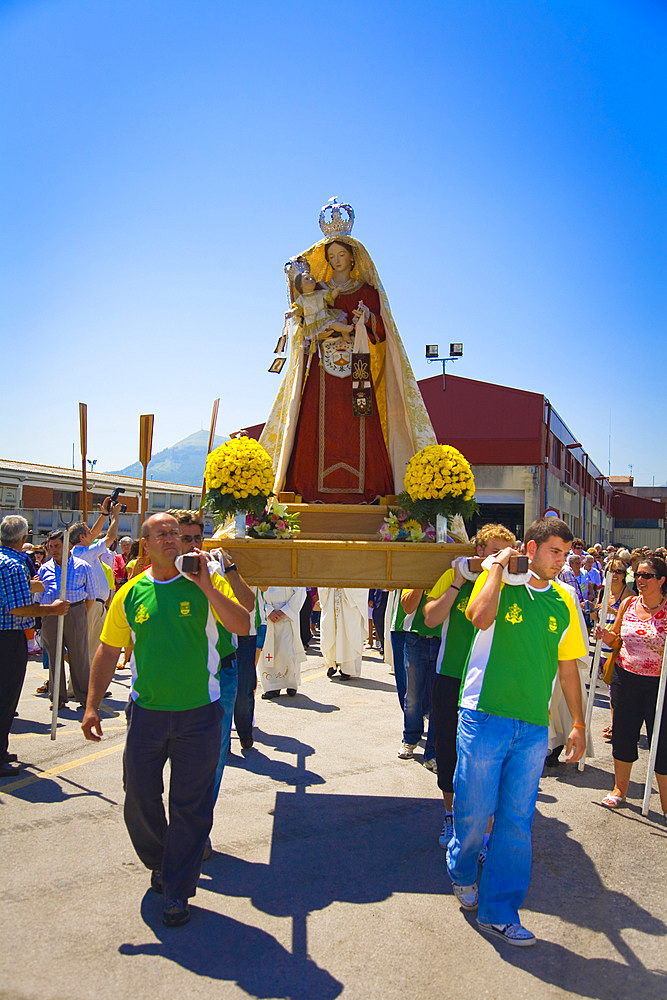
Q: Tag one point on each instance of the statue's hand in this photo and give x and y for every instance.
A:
(361, 312)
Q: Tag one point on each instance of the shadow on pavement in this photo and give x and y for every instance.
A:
(218, 947)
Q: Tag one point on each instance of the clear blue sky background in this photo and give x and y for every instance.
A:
(161, 160)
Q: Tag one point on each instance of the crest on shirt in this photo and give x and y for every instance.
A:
(553, 624)
(462, 605)
(141, 615)
(514, 616)
(185, 608)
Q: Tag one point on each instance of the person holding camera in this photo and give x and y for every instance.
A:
(174, 712)
(87, 545)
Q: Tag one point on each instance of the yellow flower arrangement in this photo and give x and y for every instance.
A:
(239, 477)
(438, 480)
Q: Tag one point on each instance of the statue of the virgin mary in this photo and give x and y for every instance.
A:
(349, 414)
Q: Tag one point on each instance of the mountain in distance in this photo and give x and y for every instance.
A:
(183, 463)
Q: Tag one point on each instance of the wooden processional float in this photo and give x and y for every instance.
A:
(347, 419)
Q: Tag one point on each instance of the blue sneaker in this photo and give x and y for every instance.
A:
(447, 831)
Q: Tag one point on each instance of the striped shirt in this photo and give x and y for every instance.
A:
(14, 588)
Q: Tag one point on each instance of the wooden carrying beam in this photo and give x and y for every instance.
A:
(305, 562)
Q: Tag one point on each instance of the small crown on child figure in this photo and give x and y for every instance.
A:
(331, 221)
(296, 265)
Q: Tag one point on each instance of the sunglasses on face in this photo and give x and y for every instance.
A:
(618, 572)
(645, 576)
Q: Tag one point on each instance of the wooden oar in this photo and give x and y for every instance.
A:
(145, 450)
(656, 734)
(602, 619)
(214, 420)
(83, 433)
(55, 693)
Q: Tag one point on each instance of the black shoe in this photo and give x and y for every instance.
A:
(291, 692)
(331, 671)
(247, 742)
(156, 881)
(345, 677)
(176, 913)
(8, 758)
(270, 694)
(9, 770)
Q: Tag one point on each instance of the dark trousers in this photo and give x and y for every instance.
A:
(445, 715)
(400, 676)
(633, 698)
(13, 660)
(304, 621)
(244, 706)
(190, 740)
(379, 609)
(75, 638)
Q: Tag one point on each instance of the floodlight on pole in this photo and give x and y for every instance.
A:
(433, 352)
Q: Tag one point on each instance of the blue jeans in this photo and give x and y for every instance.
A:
(244, 707)
(498, 770)
(228, 677)
(420, 657)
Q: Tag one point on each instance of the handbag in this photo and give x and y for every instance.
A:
(608, 669)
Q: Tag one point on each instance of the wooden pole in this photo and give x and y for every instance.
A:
(660, 701)
(145, 450)
(83, 432)
(55, 693)
(602, 620)
(214, 420)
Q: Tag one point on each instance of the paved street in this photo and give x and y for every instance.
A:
(326, 878)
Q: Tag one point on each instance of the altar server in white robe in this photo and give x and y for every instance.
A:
(343, 626)
(279, 664)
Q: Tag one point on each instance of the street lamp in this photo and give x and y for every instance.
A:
(432, 354)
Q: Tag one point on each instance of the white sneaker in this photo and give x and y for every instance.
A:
(467, 896)
(430, 764)
(447, 831)
(514, 934)
(406, 751)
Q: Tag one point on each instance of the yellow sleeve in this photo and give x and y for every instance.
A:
(572, 645)
(222, 584)
(116, 629)
(443, 584)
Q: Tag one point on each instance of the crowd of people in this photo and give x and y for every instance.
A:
(490, 667)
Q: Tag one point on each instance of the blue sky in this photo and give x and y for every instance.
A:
(160, 161)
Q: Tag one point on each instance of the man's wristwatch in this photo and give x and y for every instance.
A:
(231, 568)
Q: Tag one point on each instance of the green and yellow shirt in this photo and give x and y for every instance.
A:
(177, 642)
(457, 631)
(511, 665)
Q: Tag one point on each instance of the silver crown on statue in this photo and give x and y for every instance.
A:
(296, 265)
(331, 221)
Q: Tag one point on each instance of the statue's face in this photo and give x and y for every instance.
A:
(339, 258)
(307, 284)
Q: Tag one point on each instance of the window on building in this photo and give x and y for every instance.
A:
(637, 522)
(65, 500)
(9, 496)
(158, 501)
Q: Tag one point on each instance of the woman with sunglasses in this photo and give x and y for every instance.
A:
(639, 635)
(619, 592)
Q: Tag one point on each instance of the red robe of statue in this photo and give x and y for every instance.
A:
(338, 457)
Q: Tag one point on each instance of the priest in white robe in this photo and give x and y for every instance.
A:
(343, 624)
(279, 663)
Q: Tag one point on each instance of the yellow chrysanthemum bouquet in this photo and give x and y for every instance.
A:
(438, 480)
(239, 478)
